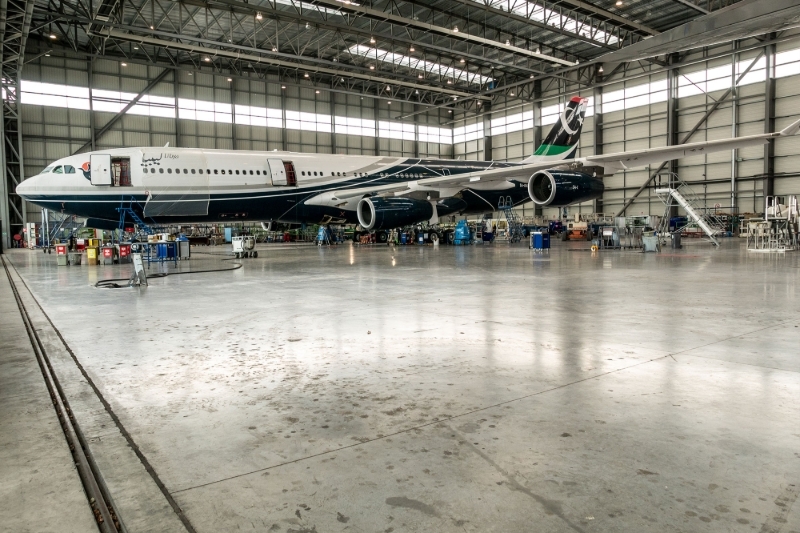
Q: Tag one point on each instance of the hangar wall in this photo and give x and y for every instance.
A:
(198, 109)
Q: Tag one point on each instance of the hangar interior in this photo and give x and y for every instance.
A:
(433, 388)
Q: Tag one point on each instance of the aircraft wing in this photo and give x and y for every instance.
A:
(611, 162)
(640, 158)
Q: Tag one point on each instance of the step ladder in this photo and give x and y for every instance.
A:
(128, 210)
(506, 205)
(695, 208)
(56, 222)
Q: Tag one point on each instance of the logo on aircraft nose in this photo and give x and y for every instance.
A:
(86, 167)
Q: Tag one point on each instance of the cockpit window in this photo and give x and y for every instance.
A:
(69, 169)
(59, 170)
(47, 170)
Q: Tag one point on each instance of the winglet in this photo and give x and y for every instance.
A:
(792, 129)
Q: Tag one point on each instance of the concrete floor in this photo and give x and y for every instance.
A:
(40, 490)
(454, 389)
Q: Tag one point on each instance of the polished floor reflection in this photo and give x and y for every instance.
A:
(484, 388)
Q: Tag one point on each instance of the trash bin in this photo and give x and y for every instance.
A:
(91, 256)
(650, 243)
(75, 258)
(676, 240)
(109, 255)
(124, 253)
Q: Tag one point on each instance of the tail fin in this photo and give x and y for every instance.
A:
(562, 141)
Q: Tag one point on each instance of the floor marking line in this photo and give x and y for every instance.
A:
(432, 422)
(467, 413)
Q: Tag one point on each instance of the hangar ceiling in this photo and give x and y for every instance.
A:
(425, 52)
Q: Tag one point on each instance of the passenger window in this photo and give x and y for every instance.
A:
(160, 170)
(303, 173)
(59, 170)
(258, 172)
(193, 171)
(169, 171)
(185, 170)
(144, 171)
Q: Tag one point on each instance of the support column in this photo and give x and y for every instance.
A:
(376, 108)
(597, 96)
(284, 140)
(734, 124)
(333, 120)
(672, 121)
(769, 120)
(487, 132)
(233, 115)
(175, 94)
(537, 129)
(92, 127)
(416, 130)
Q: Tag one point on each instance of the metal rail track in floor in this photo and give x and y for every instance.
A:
(97, 493)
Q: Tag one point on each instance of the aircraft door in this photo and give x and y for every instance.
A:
(278, 172)
(100, 169)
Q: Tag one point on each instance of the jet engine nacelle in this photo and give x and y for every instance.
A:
(386, 213)
(563, 187)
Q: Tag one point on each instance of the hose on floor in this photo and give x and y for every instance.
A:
(112, 283)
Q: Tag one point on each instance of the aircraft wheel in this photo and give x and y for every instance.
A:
(565, 235)
(381, 237)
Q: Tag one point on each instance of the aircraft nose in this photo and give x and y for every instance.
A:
(27, 187)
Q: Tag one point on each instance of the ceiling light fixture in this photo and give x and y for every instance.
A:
(124, 64)
(305, 75)
(411, 49)
(317, 92)
(600, 70)
(511, 94)
(419, 76)
(388, 88)
(388, 103)
(274, 49)
(259, 16)
(53, 36)
(372, 67)
(372, 40)
(207, 59)
(463, 60)
(455, 30)
(619, 3)
(283, 86)
(508, 43)
(230, 79)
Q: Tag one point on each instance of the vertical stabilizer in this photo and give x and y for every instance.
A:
(562, 141)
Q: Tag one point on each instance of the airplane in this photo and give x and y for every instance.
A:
(193, 185)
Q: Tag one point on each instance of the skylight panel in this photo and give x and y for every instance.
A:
(418, 64)
(550, 17)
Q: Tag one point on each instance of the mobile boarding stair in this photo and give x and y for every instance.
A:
(506, 205)
(58, 225)
(679, 193)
